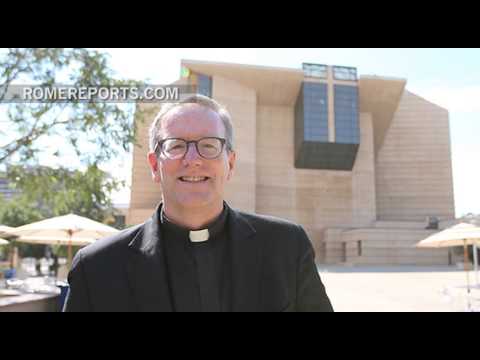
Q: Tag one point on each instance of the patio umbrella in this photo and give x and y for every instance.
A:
(63, 230)
(462, 234)
(5, 230)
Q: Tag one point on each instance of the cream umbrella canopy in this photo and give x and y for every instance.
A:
(63, 230)
(462, 234)
(5, 230)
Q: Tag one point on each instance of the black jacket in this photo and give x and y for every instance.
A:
(271, 265)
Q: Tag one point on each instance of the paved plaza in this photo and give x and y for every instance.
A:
(398, 288)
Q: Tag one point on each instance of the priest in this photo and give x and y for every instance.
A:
(196, 253)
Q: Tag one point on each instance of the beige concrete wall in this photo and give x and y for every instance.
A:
(413, 167)
(145, 194)
(334, 253)
(391, 247)
(413, 225)
(241, 103)
(316, 199)
(363, 176)
(363, 193)
(381, 246)
(410, 178)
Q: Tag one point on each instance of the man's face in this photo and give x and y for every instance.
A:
(180, 192)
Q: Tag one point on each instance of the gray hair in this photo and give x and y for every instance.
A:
(197, 99)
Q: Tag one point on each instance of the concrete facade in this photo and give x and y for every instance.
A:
(373, 214)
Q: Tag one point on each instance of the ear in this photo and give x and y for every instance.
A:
(232, 157)
(153, 163)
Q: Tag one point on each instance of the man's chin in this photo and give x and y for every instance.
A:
(195, 202)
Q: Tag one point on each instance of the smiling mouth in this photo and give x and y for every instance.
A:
(193, 179)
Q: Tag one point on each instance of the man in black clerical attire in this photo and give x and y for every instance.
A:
(196, 253)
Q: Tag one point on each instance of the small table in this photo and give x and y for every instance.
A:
(461, 300)
(30, 303)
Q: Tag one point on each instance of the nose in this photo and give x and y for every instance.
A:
(192, 155)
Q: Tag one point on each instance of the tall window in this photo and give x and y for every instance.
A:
(204, 85)
(315, 111)
(346, 114)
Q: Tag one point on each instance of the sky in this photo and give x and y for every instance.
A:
(447, 77)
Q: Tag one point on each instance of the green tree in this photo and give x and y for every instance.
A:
(106, 130)
(46, 192)
(54, 192)
(18, 211)
(109, 126)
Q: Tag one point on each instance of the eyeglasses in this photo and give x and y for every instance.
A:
(207, 147)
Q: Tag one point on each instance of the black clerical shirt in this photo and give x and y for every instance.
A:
(197, 271)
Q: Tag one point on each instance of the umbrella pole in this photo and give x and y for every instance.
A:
(475, 262)
(465, 260)
(11, 255)
(69, 254)
(69, 249)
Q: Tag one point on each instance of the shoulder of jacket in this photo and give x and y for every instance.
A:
(268, 220)
(117, 242)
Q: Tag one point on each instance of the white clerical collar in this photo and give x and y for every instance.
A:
(199, 235)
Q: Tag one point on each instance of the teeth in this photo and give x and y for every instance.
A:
(193, 178)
